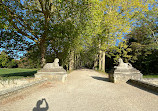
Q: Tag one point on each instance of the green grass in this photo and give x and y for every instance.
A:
(15, 73)
(150, 76)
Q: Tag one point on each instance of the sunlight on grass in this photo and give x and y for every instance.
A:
(16, 73)
(14, 70)
(150, 76)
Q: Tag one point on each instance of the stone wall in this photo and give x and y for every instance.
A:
(151, 80)
(11, 83)
(145, 84)
(12, 89)
(125, 77)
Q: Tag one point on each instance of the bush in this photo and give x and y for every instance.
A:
(7, 62)
(12, 64)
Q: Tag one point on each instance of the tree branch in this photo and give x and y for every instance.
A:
(22, 32)
(153, 35)
(20, 18)
(41, 5)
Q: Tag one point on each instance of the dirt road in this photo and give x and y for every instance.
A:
(85, 90)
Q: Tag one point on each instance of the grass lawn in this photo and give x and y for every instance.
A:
(16, 72)
(150, 76)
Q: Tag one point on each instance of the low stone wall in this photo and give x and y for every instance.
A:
(151, 80)
(10, 83)
(143, 83)
(13, 90)
(123, 77)
(52, 76)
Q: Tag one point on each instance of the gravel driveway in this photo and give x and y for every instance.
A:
(85, 90)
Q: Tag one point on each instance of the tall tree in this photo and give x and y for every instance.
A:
(143, 42)
(68, 26)
(114, 18)
(35, 20)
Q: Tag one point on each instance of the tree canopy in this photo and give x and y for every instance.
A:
(71, 29)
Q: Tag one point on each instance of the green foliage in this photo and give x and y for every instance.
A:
(6, 61)
(109, 20)
(53, 25)
(12, 64)
(27, 62)
(143, 42)
(121, 51)
(47, 29)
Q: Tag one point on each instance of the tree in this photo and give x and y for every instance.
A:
(143, 42)
(6, 61)
(36, 21)
(13, 64)
(69, 27)
(112, 19)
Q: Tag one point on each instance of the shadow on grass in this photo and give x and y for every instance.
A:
(23, 74)
(100, 78)
(142, 88)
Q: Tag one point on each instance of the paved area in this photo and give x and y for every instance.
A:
(85, 90)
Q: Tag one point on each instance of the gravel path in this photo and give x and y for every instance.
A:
(85, 90)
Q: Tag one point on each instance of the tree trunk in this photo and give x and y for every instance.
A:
(95, 62)
(76, 61)
(43, 39)
(100, 60)
(103, 61)
(43, 52)
(71, 63)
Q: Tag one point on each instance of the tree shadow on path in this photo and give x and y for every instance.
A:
(100, 78)
(142, 88)
(39, 103)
